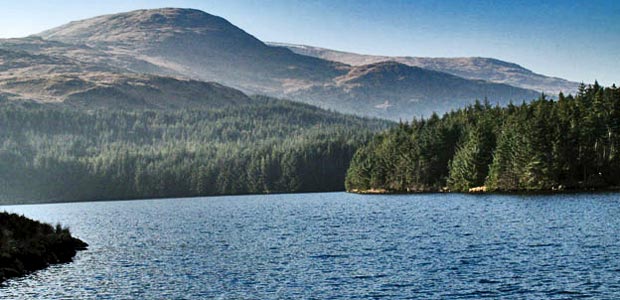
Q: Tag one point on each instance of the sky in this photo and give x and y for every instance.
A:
(576, 40)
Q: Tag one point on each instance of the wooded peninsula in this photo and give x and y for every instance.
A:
(572, 143)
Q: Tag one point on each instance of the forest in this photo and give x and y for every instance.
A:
(568, 143)
(53, 153)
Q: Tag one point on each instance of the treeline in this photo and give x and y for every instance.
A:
(27, 245)
(60, 154)
(569, 143)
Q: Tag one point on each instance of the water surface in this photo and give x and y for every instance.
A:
(335, 246)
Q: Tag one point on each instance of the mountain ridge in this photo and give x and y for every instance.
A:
(476, 67)
(426, 89)
(189, 44)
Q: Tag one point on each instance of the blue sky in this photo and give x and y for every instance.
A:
(577, 40)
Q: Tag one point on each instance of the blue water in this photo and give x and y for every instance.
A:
(335, 246)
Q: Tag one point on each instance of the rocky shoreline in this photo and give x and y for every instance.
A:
(27, 245)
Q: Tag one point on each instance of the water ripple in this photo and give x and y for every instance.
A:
(335, 246)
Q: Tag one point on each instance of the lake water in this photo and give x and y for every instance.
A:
(335, 246)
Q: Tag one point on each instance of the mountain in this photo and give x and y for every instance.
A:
(481, 68)
(57, 79)
(198, 45)
(187, 46)
(397, 91)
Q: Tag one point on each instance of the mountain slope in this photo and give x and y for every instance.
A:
(397, 91)
(198, 45)
(193, 44)
(57, 79)
(52, 153)
(480, 68)
(103, 58)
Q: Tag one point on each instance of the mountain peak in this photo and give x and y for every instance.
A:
(178, 17)
(140, 26)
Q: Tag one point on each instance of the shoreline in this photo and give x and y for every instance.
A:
(27, 245)
(477, 191)
(164, 198)
(353, 191)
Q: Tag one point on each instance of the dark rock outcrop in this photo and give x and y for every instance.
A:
(27, 245)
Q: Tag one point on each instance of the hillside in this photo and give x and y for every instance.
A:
(198, 45)
(480, 68)
(412, 92)
(191, 44)
(57, 79)
(54, 153)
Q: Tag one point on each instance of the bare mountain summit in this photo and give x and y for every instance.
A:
(197, 45)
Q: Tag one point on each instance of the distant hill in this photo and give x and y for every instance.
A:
(55, 79)
(393, 90)
(89, 61)
(482, 68)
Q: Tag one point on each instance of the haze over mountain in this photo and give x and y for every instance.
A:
(482, 68)
(103, 60)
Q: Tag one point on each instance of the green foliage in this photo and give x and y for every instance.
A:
(571, 143)
(54, 154)
(471, 161)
